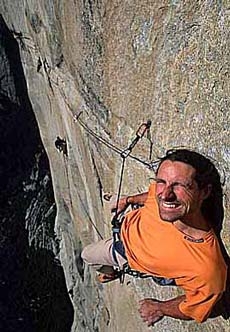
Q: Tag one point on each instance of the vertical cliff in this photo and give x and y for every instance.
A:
(33, 289)
(117, 64)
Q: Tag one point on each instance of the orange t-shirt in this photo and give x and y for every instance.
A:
(157, 247)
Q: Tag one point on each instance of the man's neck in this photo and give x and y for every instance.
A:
(195, 227)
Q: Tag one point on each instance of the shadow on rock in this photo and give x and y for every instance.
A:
(33, 294)
(222, 308)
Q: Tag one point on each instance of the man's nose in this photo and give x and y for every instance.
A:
(168, 193)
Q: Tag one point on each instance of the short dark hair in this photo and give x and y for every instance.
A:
(206, 174)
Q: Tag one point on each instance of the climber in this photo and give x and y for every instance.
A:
(173, 235)
(61, 145)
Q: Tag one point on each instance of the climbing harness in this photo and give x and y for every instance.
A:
(137, 274)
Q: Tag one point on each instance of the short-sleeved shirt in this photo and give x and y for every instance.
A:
(157, 247)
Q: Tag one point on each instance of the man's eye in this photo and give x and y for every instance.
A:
(159, 181)
(178, 184)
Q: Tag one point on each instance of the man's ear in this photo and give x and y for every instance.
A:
(207, 191)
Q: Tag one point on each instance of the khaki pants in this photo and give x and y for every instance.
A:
(100, 256)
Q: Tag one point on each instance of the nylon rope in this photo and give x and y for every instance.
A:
(120, 185)
(108, 144)
(114, 148)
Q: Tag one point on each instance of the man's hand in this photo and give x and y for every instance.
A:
(150, 311)
(122, 203)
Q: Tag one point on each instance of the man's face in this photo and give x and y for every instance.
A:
(177, 193)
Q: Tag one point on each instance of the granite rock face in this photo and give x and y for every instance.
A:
(96, 70)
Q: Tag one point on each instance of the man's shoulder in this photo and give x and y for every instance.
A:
(212, 274)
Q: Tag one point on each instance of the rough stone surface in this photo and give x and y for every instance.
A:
(121, 63)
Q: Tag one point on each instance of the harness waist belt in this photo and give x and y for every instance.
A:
(118, 247)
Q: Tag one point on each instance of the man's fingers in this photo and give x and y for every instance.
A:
(149, 311)
(150, 320)
(148, 300)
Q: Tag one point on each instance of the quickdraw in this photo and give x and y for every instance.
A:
(124, 154)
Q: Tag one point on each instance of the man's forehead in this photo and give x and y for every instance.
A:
(176, 168)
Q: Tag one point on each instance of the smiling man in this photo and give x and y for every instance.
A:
(172, 236)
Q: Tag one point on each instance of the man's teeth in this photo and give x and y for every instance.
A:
(169, 205)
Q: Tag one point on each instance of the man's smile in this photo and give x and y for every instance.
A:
(169, 205)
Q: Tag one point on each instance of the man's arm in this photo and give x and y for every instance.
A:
(152, 310)
(134, 199)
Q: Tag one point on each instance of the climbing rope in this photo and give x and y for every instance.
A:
(77, 118)
(118, 217)
(143, 128)
(113, 147)
(124, 154)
